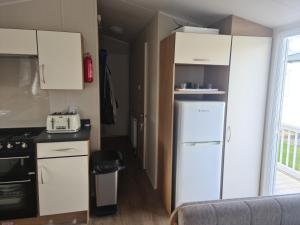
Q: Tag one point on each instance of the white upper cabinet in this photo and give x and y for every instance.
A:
(18, 42)
(60, 60)
(202, 49)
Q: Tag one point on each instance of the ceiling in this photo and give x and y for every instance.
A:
(130, 16)
(10, 2)
(133, 15)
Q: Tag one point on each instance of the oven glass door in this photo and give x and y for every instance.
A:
(18, 199)
(17, 187)
(12, 168)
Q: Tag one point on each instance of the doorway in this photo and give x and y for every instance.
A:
(126, 72)
(287, 166)
(115, 86)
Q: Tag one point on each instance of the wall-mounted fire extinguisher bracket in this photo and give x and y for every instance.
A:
(88, 68)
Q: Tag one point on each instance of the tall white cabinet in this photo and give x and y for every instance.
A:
(247, 93)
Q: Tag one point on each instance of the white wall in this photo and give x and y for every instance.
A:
(118, 62)
(64, 15)
(158, 28)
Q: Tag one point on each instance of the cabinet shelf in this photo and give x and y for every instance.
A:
(199, 92)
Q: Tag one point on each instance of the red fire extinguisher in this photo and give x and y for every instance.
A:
(88, 68)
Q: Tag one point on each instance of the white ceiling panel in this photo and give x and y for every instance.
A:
(10, 2)
(134, 14)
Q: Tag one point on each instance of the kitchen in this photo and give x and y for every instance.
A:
(31, 155)
(54, 60)
(170, 80)
(26, 105)
(30, 105)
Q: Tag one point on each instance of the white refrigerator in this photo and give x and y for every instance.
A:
(198, 141)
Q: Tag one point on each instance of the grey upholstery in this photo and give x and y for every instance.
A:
(272, 210)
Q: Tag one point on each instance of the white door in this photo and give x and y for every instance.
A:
(63, 185)
(18, 42)
(198, 172)
(248, 84)
(60, 60)
(202, 49)
(198, 121)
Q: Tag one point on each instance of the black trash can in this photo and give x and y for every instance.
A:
(105, 166)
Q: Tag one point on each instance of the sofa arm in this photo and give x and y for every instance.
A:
(174, 217)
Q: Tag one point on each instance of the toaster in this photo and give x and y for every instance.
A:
(63, 122)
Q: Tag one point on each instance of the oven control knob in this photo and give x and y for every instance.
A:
(24, 145)
(9, 146)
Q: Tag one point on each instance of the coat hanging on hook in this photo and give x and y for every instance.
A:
(109, 103)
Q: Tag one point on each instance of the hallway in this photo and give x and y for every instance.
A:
(138, 203)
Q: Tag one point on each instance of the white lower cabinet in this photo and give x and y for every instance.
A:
(63, 184)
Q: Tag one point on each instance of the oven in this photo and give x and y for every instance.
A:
(18, 198)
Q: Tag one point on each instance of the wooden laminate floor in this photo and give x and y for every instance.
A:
(138, 203)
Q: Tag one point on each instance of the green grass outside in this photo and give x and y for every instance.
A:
(291, 154)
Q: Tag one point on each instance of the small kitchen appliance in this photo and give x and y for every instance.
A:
(60, 122)
(18, 191)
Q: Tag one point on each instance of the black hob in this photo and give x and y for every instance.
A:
(18, 140)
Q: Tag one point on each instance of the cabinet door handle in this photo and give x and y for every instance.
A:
(193, 144)
(200, 60)
(42, 71)
(21, 157)
(63, 149)
(16, 182)
(42, 177)
(228, 133)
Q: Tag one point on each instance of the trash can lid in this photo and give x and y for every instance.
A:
(106, 155)
(106, 162)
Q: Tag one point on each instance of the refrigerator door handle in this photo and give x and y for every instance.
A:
(228, 134)
(203, 143)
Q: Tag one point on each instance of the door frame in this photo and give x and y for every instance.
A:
(146, 66)
(274, 106)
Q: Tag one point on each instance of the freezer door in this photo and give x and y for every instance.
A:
(198, 172)
(198, 121)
